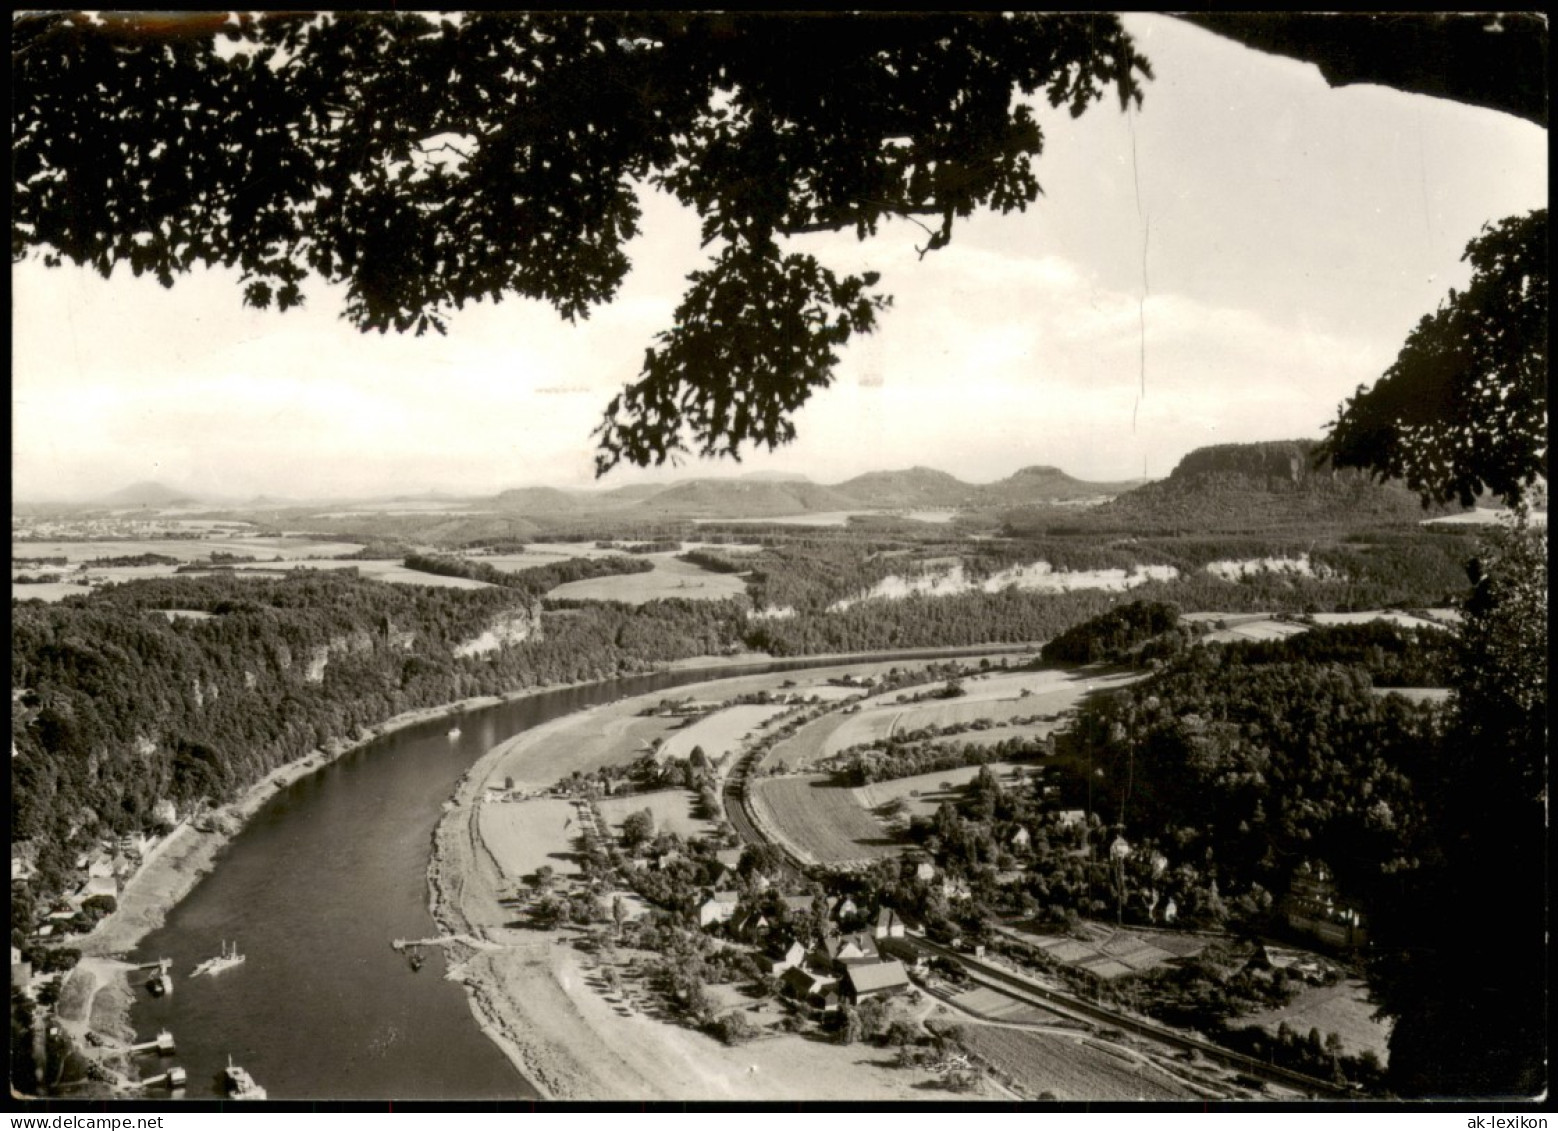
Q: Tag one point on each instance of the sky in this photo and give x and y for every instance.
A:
(1225, 264)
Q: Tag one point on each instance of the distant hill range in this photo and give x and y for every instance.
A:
(775, 496)
(1224, 487)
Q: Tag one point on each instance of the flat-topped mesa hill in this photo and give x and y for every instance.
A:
(1262, 485)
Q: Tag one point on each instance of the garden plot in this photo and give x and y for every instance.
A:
(672, 810)
(821, 823)
(991, 1003)
(720, 733)
(1071, 1068)
(1343, 1009)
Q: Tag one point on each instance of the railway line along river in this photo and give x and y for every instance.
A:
(315, 888)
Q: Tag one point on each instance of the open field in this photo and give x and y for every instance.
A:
(1416, 694)
(670, 579)
(814, 518)
(720, 733)
(672, 809)
(1060, 692)
(1405, 620)
(1483, 516)
(820, 822)
(923, 794)
(1069, 1068)
(185, 549)
(1253, 628)
(1343, 1009)
(609, 736)
(391, 571)
(524, 835)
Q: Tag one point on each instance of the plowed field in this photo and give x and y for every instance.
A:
(820, 822)
(1068, 1067)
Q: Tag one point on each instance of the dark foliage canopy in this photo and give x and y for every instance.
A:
(426, 163)
(1464, 407)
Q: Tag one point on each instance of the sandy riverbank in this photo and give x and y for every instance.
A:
(542, 999)
(180, 860)
(172, 870)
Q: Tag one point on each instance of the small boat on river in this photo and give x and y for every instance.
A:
(161, 983)
(240, 1085)
(454, 732)
(224, 961)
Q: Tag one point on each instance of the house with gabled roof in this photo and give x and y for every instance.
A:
(873, 979)
(750, 925)
(783, 954)
(888, 924)
(839, 951)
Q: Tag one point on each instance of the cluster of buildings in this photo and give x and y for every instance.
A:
(1314, 907)
(104, 869)
(841, 967)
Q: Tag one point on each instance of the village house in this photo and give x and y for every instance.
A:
(840, 951)
(873, 979)
(812, 989)
(1020, 839)
(1314, 906)
(955, 887)
(1069, 817)
(750, 926)
(925, 870)
(24, 857)
(99, 886)
(666, 859)
(844, 909)
(783, 954)
(21, 970)
(717, 908)
(888, 924)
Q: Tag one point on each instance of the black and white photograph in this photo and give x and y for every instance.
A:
(970, 559)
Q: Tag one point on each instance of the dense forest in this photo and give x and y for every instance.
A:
(118, 704)
(1254, 757)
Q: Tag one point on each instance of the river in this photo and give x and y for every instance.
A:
(314, 889)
